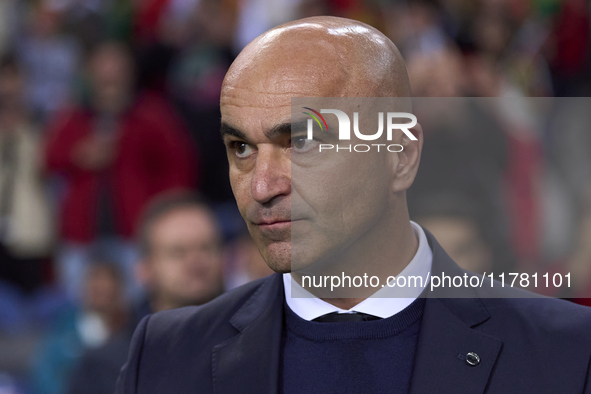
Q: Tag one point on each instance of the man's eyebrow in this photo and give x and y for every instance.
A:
(286, 128)
(276, 131)
(227, 130)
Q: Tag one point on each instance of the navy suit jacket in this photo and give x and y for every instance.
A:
(233, 343)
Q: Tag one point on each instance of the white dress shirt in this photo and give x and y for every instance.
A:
(385, 302)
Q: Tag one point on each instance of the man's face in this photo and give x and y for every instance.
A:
(302, 207)
(103, 290)
(184, 266)
(111, 72)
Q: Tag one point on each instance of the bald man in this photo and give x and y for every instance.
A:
(315, 214)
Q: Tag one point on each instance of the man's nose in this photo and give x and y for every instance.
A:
(272, 175)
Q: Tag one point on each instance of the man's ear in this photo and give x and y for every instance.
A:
(405, 168)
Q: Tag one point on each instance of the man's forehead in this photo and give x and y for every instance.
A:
(263, 94)
(293, 72)
(275, 90)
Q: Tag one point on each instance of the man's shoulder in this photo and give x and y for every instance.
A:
(513, 307)
(512, 313)
(544, 311)
(210, 318)
(539, 317)
(182, 342)
(541, 337)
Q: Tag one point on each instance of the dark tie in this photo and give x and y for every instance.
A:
(336, 317)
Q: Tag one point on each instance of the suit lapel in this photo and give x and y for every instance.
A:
(249, 361)
(447, 335)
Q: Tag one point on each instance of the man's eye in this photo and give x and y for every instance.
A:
(302, 144)
(242, 149)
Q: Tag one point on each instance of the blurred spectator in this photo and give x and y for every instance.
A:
(569, 148)
(148, 17)
(199, 32)
(26, 230)
(570, 49)
(181, 265)
(454, 221)
(8, 24)
(102, 314)
(257, 16)
(483, 78)
(437, 74)
(97, 370)
(425, 34)
(579, 262)
(524, 178)
(116, 153)
(492, 30)
(464, 158)
(569, 154)
(181, 248)
(204, 55)
(309, 8)
(50, 60)
(91, 21)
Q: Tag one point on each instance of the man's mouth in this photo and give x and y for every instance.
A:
(275, 224)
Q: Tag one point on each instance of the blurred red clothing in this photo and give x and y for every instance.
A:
(148, 18)
(154, 154)
(571, 35)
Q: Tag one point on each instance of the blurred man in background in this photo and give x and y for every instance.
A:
(181, 265)
(115, 153)
(181, 246)
(456, 222)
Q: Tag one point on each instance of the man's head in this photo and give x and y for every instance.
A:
(347, 199)
(103, 290)
(181, 247)
(112, 76)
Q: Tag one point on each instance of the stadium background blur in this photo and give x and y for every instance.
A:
(87, 84)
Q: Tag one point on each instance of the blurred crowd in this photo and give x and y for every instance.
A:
(114, 193)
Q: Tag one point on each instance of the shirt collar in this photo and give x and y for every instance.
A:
(385, 303)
